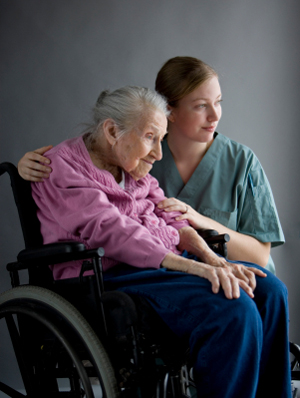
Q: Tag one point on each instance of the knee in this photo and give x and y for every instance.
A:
(244, 316)
(271, 291)
(236, 331)
(237, 321)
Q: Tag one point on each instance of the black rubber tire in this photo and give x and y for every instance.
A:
(20, 299)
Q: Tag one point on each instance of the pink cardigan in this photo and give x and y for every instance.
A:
(80, 202)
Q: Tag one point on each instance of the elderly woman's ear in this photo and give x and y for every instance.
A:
(110, 131)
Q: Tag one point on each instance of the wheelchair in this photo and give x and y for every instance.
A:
(72, 338)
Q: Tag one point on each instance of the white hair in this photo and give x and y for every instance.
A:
(125, 106)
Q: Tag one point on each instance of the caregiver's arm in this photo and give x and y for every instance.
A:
(240, 247)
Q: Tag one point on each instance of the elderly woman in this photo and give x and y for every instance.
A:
(100, 193)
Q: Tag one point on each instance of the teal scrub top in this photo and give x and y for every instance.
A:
(229, 186)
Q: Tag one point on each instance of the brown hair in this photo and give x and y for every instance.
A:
(180, 76)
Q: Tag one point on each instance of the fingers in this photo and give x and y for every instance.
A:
(35, 166)
(257, 271)
(251, 281)
(33, 171)
(37, 155)
(42, 150)
(172, 204)
(246, 288)
(187, 212)
(35, 176)
(215, 282)
(243, 274)
(246, 277)
(31, 166)
(229, 284)
(251, 273)
(220, 277)
(231, 277)
(247, 274)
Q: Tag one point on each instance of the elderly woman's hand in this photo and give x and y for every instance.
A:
(227, 277)
(31, 166)
(195, 244)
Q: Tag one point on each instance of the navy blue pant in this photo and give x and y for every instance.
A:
(239, 347)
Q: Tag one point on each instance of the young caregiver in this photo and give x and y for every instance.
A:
(215, 182)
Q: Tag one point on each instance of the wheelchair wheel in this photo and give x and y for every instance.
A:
(295, 361)
(54, 346)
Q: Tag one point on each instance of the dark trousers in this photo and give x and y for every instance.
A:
(239, 347)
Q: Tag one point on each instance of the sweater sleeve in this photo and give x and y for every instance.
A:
(73, 206)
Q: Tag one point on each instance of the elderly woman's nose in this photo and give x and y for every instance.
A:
(157, 151)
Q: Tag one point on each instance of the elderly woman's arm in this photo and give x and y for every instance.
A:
(214, 268)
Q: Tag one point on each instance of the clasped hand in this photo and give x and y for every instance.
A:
(197, 220)
(221, 273)
(231, 277)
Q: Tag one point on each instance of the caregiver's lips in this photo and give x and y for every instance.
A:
(210, 129)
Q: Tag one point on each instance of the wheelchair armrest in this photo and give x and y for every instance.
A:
(212, 236)
(215, 241)
(58, 252)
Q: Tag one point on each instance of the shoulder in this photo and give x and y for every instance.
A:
(237, 152)
(67, 148)
(72, 165)
(233, 145)
(71, 154)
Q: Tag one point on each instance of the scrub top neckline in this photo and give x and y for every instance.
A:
(202, 171)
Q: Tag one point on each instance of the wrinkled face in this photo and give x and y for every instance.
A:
(141, 147)
(197, 114)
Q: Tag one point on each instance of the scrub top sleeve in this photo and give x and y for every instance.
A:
(258, 215)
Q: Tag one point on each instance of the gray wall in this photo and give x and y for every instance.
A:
(56, 56)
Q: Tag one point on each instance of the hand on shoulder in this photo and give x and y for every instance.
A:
(33, 165)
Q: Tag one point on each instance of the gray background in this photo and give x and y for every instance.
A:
(56, 56)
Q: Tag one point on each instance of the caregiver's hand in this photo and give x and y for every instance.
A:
(33, 165)
(197, 220)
